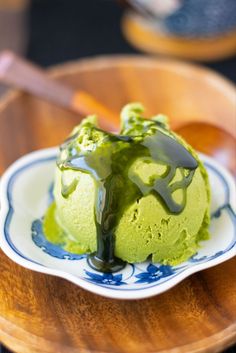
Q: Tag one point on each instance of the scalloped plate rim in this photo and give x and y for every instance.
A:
(94, 288)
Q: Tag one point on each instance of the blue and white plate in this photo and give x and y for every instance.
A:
(26, 191)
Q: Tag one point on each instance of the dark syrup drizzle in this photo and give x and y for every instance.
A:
(109, 161)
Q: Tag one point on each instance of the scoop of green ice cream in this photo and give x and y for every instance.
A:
(167, 227)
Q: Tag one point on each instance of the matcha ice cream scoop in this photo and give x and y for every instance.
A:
(125, 197)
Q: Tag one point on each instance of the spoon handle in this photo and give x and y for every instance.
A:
(20, 73)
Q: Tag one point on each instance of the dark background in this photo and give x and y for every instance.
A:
(62, 30)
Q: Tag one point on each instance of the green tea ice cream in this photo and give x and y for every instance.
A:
(124, 197)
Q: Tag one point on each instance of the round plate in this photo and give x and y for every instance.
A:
(40, 313)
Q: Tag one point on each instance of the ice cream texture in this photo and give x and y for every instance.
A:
(143, 192)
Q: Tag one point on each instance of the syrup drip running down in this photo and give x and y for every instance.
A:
(109, 162)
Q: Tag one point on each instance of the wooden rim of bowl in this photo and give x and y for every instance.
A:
(85, 64)
(212, 78)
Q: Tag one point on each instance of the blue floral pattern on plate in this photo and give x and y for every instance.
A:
(155, 273)
(105, 278)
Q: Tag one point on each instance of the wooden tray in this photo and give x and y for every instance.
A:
(39, 313)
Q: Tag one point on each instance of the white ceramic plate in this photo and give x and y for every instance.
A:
(26, 191)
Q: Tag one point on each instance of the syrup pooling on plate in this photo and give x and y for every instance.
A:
(108, 158)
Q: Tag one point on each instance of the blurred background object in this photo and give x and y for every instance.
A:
(62, 30)
(13, 26)
(199, 30)
(190, 18)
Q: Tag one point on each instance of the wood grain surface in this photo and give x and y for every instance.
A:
(40, 313)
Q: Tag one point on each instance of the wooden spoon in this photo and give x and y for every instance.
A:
(20, 73)
(211, 140)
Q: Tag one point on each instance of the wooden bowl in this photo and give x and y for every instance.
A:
(39, 313)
